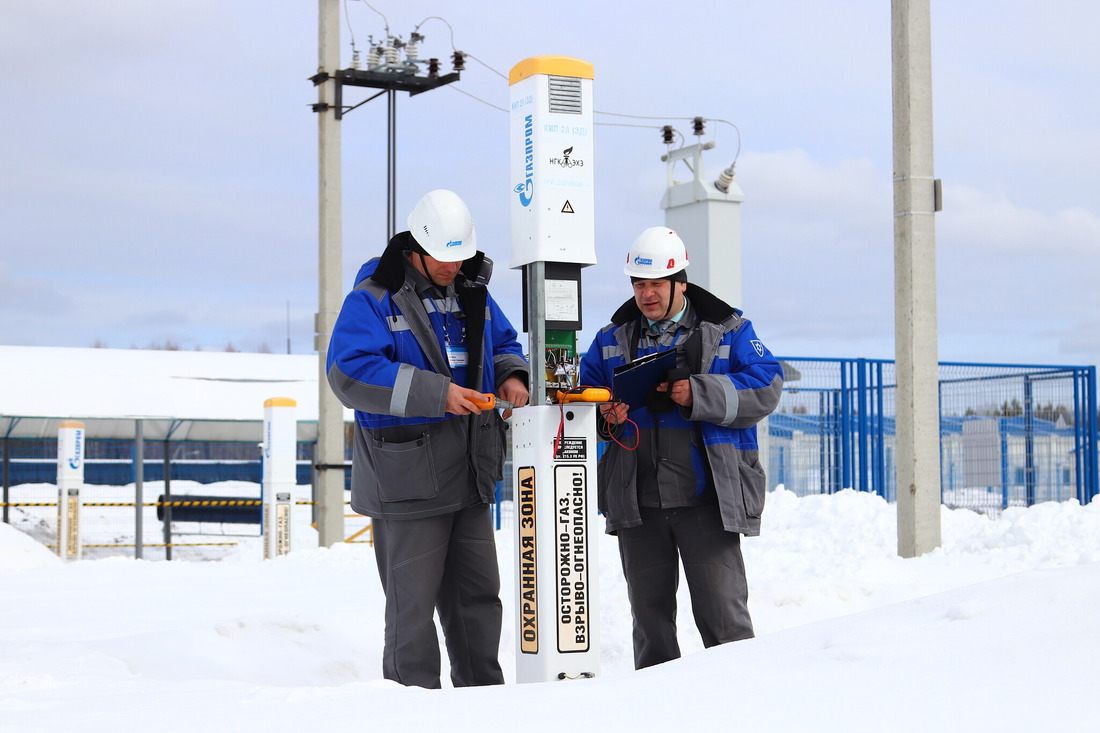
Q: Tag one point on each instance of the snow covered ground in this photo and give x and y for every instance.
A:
(997, 630)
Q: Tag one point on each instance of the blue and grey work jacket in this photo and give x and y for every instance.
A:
(735, 381)
(387, 361)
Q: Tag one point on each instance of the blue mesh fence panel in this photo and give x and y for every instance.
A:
(1009, 434)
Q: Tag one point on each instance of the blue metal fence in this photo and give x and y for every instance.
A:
(1010, 434)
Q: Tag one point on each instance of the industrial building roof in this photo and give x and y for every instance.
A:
(178, 395)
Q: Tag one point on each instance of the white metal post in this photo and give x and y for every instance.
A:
(279, 474)
(553, 212)
(557, 543)
(915, 203)
(70, 479)
(553, 447)
(139, 488)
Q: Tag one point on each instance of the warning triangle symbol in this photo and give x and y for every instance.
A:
(568, 208)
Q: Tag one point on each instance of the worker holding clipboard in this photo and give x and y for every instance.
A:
(680, 480)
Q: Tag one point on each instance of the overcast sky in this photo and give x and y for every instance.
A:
(159, 162)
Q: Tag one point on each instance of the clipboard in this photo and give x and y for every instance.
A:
(634, 381)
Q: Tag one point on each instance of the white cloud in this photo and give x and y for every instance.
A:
(993, 225)
(818, 249)
(1019, 281)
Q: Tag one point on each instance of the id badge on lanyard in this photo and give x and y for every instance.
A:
(457, 356)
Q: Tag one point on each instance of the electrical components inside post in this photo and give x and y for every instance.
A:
(562, 361)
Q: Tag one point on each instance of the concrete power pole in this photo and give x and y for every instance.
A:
(915, 202)
(329, 459)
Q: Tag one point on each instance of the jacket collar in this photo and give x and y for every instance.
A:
(708, 307)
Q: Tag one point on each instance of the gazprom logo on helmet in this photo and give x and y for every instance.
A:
(643, 261)
(525, 190)
(454, 243)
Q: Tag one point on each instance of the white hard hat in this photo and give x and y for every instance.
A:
(657, 253)
(441, 224)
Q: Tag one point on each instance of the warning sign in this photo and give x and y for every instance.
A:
(568, 208)
(572, 449)
(282, 527)
(571, 501)
(528, 568)
(70, 543)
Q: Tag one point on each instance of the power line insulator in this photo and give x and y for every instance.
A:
(697, 125)
(433, 68)
(459, 59)
(666, 134)
(392, 55)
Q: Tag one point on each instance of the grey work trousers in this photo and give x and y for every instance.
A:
(713, 567)
(446, 563)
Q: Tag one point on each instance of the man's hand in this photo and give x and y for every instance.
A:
(680, 393)
(614, 413)
(515, 391)
(462, 401)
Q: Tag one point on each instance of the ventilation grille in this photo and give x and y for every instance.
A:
(565, 95)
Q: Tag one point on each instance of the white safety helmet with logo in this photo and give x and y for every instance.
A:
(441, 224)
(657, 253)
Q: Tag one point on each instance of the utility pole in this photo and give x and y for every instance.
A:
(916, 199)
(329, 473)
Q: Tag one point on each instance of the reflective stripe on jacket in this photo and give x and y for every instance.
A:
(386, 361)
(737, 383)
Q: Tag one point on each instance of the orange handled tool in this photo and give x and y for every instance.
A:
(588, 394)
(489, 401)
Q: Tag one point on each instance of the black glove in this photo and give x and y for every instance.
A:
(657, 402)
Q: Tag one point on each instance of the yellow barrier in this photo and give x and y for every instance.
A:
(368, 528)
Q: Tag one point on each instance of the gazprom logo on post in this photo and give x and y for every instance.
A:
(78, 450)
(643, 261)
(454, 243)
(525, 190)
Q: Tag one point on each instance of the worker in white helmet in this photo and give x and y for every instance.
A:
(680, 480)
(417, 343)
